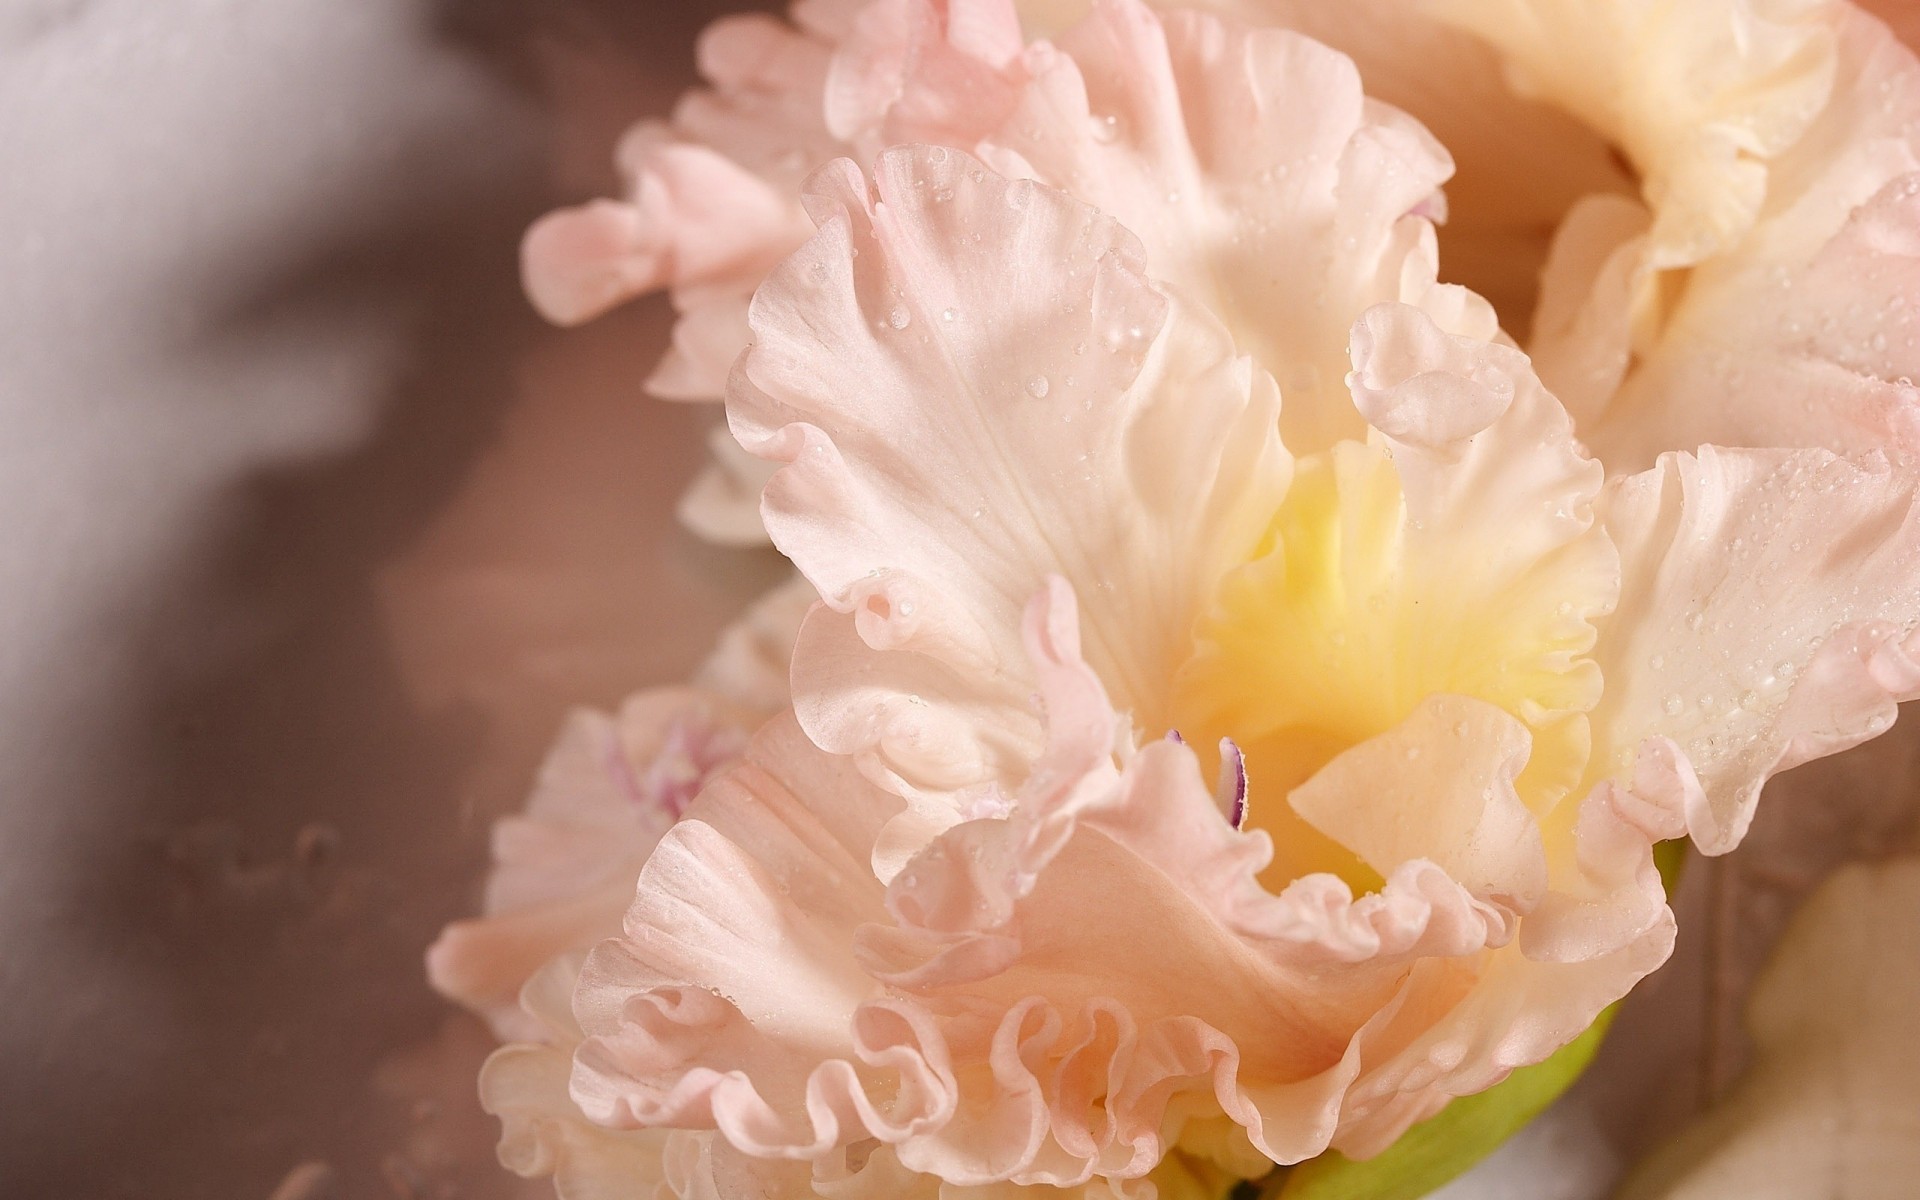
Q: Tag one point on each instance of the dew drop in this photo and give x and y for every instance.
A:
(949, 315)
(1674, 704)
(899, 318)
(1037, 387)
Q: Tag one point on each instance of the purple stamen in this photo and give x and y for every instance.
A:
(1231, 790)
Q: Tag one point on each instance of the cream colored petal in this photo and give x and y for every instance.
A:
(1590, 296)
(1831, 1106)
(1803, 332)
(1699, 95)
(1496, 232)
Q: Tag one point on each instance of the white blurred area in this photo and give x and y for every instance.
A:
(311, 531)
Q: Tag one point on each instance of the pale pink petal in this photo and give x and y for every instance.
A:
(712, 195)
(973, 385)
(707, 339)
(752, 660)
(564, 868)
(1766, 618)
(943, 71)
(542, 1132)
(1831, 1106)
(1259, 177)
(735, 992)
(697, 222)
(1824, 352)
(1800, 332)
(722, 504)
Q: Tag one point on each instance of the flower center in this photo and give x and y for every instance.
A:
(1348, 617)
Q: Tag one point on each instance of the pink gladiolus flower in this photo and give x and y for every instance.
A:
(1131, 398)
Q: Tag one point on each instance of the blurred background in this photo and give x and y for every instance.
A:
(312, 533)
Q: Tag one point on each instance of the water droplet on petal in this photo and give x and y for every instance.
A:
(1037, 387)
(899, 318)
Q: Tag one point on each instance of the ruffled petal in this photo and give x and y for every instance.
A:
(542, 1132)
(1017, 1006)
(1496, 230)
(1830, 1106)
(1767, 618)
(735, 986)
(1822, 352)
(712, 199)
(973, 385)
(1260, 178)
(564, 868)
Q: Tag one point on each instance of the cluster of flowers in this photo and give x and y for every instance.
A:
(1233, 691)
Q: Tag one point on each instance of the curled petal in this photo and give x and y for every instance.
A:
(1766, 619)
(1799, 332)
(1700, 96)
